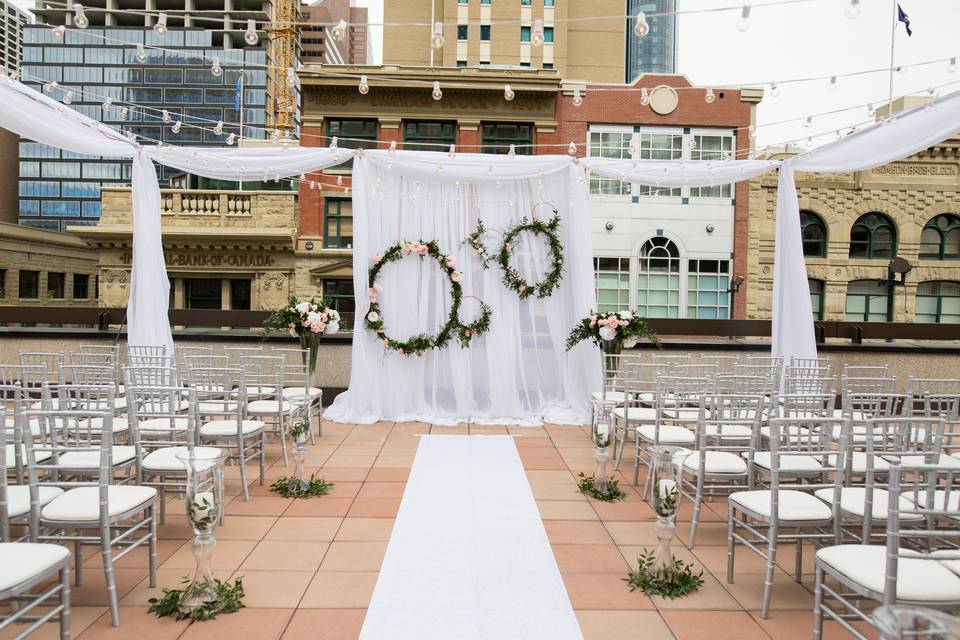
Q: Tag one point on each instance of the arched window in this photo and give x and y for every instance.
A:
(938, 301)
(658, 279)
(814, 234)
(866, 301)
(816, 297)
(873, 236)
(940, 239)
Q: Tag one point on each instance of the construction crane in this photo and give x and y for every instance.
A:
(283, 31)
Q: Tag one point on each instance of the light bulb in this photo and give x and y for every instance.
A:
(161, 27)
(640, 27)
(752, 131)
(339, 181)
(231, 138)
(364, 87)
(291, 78)
(176, 127)
(68, 97)
(437, 40)
(141, 53)
(437, 93)
(853, 10)
(536, 36)
(870, 109)
(333, 143)
(808, 121)
(215, 68)
(572, 148)
(709, 96)
(508, 93)
(512, 151)
(250, 36)
(774, 90)
(832, 84)
(49, 87)
(80, 17)
(692, 142)
(952, 66)
(577, 98)
(123, 113)
(644, 96)
(393, 146)
(107, 104)
(165, 116)
(340, 31)
(58, 31)
(452, 151)
(218, 128)
(743, 22)
(313, 185)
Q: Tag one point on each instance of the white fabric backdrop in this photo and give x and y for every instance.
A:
(518, 372)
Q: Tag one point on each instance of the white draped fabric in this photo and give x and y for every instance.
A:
(672, 173)
(518, 372)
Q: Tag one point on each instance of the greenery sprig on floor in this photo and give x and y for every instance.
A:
(613, 493)
(675, 581)
(229, 600)
(292, 488)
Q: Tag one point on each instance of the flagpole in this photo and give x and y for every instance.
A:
(893, 40)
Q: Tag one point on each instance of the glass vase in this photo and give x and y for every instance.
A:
(899, 622)
(310, 342)
(299, 455)
(601, 441)
(204, 498)
(665, 492)
(611, 353)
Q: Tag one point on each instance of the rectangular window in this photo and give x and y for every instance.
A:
(81, 286)
(429, 135)
(29, 284)
(56, 284)
(866, 301)
(189, 96)
(712, 147)
(461, 63)
(202, 293)
(525, 3)
(548, 34)
(816, 298)
(120, 75)
(83, 74)
(485, 33)
(201, 76)
(80, 189)
(497, 137)
(338, 223)
(938, 301)
(660, 146)
(60, 170)
(612, 281)
(609, 144)
(548, 65)
(69, 209)
(462, 32)
(548, 3)
(353, 134)
(40, 188)
(485, 1)
(144, 94)
(339, 295)
(102, 55)
(708, 284)
(218, 96)
(240, 295)
(153, 56)
(91, 209)
(163, 76)
(29, 207)
(524, 34)
(63, 54)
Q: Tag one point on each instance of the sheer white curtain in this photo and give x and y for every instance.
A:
(518, 372)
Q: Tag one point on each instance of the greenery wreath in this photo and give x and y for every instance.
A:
(512, 279)
(475, 242)
(421, 343)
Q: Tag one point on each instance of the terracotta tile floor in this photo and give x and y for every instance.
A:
(310, 566)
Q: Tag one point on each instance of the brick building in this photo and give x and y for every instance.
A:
(319, 47)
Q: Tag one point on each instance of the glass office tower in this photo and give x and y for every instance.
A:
(61, 188)
(655, 52)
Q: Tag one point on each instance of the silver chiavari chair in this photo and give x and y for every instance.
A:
(675, 417)
(296, 384)
(265, 375)
(726, 364)
(185, 353)
(51, 366)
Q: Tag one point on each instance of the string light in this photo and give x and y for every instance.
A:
(80, 19)
(363, 87)
(774, 90)
(536, 36)
(832, 84)
(176, 127)
(215, 69)
(49, 87)
(644, 96)
(577, 97)
(752, 131)
(161, 27)
(231, 138)
(58, 31)
(68, 97)
(870, 109)
(218, 128)
(141, 53)
(452, 151)
(334, 142)
(853, 10)
(437, 39)
(340, 31)
(743, 22)
(808, 121)
(709, 96)
(393, 146)
(339, 181)
(165, 117)
(640, 27)
(572, 148)
(512, 152)
(107, 103)
(250, 36)
(952, 65)
(437, 93)
(291, 79)
(508, 93)
(123, 113)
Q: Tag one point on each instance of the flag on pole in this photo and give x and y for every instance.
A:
(904, 18)
(238, 98)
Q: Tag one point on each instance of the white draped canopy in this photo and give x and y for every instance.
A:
(507, 188)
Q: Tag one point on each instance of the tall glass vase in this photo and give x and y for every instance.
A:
(204, 499)
(611, 349)
(310, 342)
(601, 441)
(665, 492)
(299, 455)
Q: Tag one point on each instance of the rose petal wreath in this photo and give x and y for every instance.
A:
(421, 343)
(512, 279)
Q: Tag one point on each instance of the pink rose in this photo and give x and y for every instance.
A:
(423, 250)
(451, 261)
(523, 288)
(319, 327)
(508, 247)
(623, 323)
(377, 258)
(306, 324)
(377, 287)
(455, 276)
(386, 343)
(324, 316)
(379, 329)
(593, 321)
(372, 293)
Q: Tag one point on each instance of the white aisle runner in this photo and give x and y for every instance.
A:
(469, 558)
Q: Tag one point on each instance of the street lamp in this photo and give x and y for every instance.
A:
(735, 283)
(897, 267)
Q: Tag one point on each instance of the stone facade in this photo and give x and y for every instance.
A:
(910, 192)
(45, 268)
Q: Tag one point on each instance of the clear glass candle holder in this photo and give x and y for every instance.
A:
(204, 498)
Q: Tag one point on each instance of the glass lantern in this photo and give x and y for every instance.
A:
(204, 498)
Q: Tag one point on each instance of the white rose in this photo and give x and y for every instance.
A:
(606, 333)
(626, 315)
(332, 327)
(313, 318)
(333, 315)
(373, 316)
(303, 307)
(631, 342)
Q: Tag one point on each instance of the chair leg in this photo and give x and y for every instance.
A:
(65, 602)
(695, 519)
(163, 504)
(263, 456)
(818, 604)
(241, 458)
(799, 560)
(107, 553)
(771, 567)
(152, 561)
(308, 405)
(78, 561)
(731, 544)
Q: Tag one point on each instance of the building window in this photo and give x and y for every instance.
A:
(202, 293)
(338, 294)
(548, 3)
(866, 301)
(612, 280)
(658, 279)
(29, 284)
(873, 236)
(461, 63)
(548, 35)
(240, 294)
(711, 147)
(814, 234)
(81, 286)
(708, 284)
(462, 32)
(485, 33)
(816, 297)
(609, 144)
(525, 3)
(660, 146)
(497, 137)
(338, 223)
(548, 65)
(56, 285)
(524, 34)
(940, 239)
(485, 1)
(429, 135)
(938, 301)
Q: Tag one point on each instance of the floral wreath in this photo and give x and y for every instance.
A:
(512, 279)
(421, 343)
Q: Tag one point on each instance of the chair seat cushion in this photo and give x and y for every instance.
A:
(738, 431)
(10, 454)
(166, 459)
(90, 460)
(164, 425)
(83, 503)
(34, 427)
(793, 506)
(796, 434)
(18, 498)
(260, 390)
(715, 462)
(301, 392)
(683, 415)
(853, 501)
(229, 427)
(95, 425)
(635, 414)
(667, 435)
(788, 463)
(918, 580)
(859, 460)
(214, 406)
(943, 460)
(24, 561)
(939, 496)
(268, 406)
(859, 434)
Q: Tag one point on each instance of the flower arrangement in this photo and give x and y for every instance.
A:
(475, 242)
(623, 327)
(304, 318)
(512, 279)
